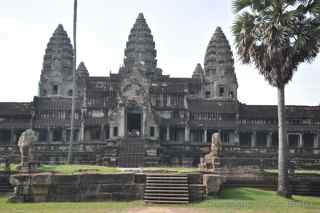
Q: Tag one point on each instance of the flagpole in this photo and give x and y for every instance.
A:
(73, 105)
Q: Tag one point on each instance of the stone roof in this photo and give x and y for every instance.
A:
(15, 108)
(82, 70)
(198, 72)
(219, 58)
(58, 47)
(255, 112)
(140, 46)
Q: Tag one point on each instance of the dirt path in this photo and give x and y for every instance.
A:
(166, 210)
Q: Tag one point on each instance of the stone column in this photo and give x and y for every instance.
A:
(49, 135)
(236, 138)
(12, 136)
(168, 100)
(187, 134)
(204, 140)
(64, 135)
(168, 133)
(111, 132)
(269, 139)
(316, 143)
(300, 143)
(102, 132)
(253, 139)
(157, 132)
(81, 134)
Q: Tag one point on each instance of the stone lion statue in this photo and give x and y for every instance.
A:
(211, 160)
(25, 144)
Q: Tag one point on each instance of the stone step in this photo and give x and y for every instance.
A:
(166, 194)
(167, 187)
(165, 198)
(165, 191)
(166, 201)
(167, 184)
(167, 178)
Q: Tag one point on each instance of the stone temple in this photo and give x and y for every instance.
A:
(140, 117)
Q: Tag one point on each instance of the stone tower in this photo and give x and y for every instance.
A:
(56, 73)
(220, 78)
(140, 47)
(82, 79)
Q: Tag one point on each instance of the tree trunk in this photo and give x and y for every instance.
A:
(73, 105)
(283, 177)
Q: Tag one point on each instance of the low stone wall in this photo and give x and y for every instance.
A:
(46, 187)
(82, 187)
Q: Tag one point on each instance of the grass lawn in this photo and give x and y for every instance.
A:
(76, 168)
(238, 200)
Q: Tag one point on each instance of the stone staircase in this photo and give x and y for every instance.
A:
(131, 153)
(170, 189)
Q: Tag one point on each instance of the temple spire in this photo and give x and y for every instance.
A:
(140, 47)
(219, 71)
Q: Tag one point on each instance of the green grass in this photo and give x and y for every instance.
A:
(257, 200)
(75, 169)
(238, 200)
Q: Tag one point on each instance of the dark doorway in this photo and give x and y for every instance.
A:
(134, 124)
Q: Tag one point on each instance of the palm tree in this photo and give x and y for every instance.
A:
(276, 36)
(73, 105)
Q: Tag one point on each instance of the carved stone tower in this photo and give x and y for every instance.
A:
(56, 74)
(220, 78)
(141, 47)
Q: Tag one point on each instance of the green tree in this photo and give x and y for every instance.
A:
(276, 36)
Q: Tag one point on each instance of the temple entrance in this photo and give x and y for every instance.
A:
(134, 124)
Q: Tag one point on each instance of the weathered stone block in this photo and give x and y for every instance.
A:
(195, 178)
(140, 178)
(41, 179)
(65, 179)
(40, 190)
(213, 183)
(107, 178)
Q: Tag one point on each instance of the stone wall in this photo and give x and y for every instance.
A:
(83, 187)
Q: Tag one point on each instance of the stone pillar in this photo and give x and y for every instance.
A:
(50, 135)
(111, 132)
(269, 139)
(157, 132)
(236, 138)
(253, 139)
(168, 100)
(316, 143)
(300, 143)
(64, 135)
(81, 133)
(102, 132)
(204, 140)
(12, 137)
(187, 134)
(168, 133)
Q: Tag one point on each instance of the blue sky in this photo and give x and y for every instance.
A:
(181, 29)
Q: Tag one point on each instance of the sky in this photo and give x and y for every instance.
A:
(181, 30)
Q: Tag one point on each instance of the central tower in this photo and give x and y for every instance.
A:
(140, 47)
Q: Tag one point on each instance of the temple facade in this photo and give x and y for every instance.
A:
(140, 117)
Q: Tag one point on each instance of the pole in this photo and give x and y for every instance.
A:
(74, 80)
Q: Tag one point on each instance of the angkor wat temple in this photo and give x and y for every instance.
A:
(140, 117)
